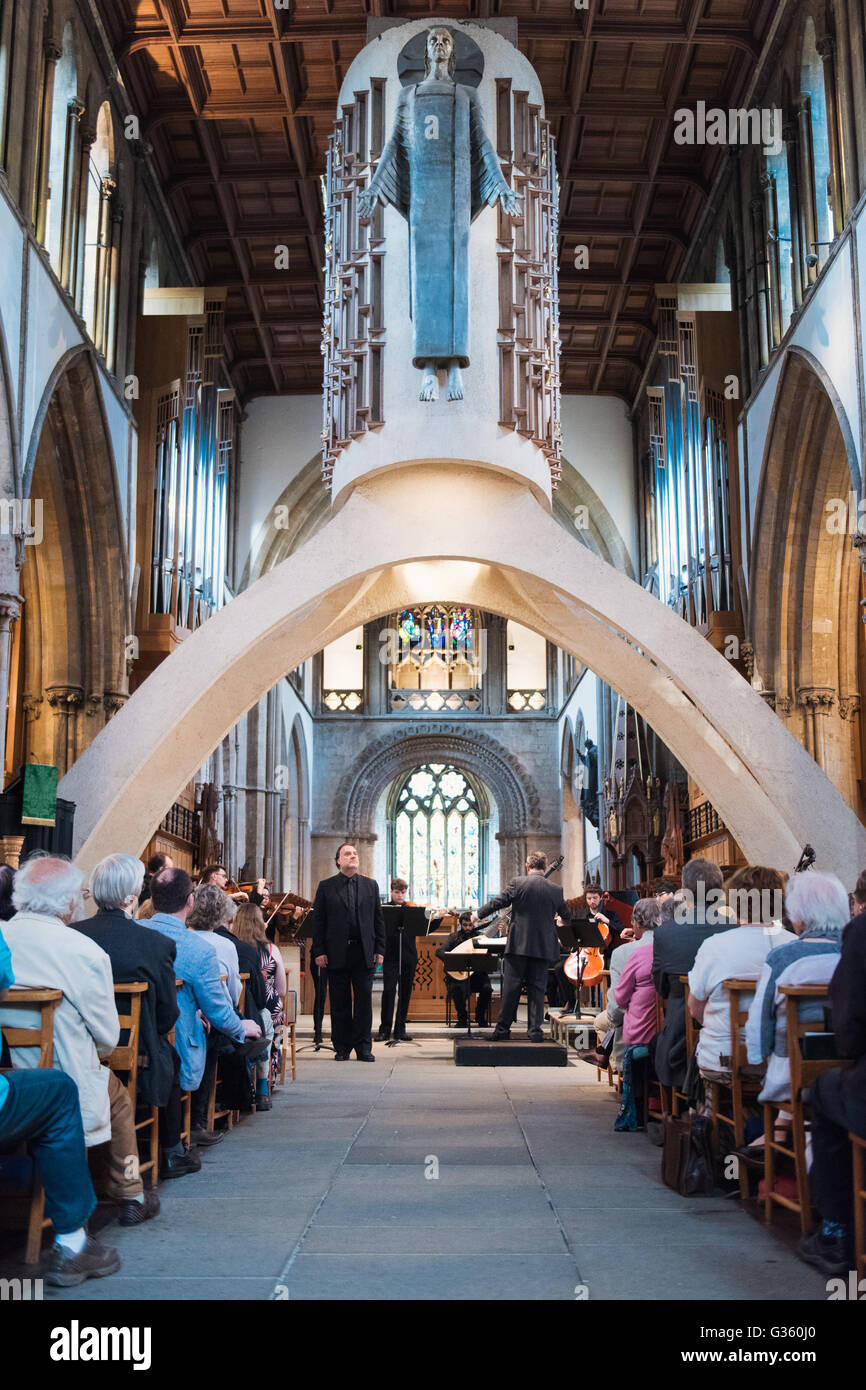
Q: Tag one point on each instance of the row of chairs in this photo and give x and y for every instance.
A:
(728, 1102)
(124, 1060)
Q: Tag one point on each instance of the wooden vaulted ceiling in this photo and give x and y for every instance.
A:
(237, 99)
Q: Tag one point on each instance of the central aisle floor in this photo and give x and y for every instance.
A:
(328, 1197)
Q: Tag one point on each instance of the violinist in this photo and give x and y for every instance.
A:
(218, 875)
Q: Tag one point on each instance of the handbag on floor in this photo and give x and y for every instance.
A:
(687, 1158)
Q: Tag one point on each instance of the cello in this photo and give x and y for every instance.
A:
(585, 966)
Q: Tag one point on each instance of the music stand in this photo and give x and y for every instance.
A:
(462, 962)
(402, 919)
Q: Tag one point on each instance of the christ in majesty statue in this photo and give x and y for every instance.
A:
(439, 170)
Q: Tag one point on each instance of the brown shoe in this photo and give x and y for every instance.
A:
(134, 1213)
(206, 1137)
(95, 1261)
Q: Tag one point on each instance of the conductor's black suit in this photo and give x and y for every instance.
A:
(350, 931)
(533, 945)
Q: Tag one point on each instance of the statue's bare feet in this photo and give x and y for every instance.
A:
(455, 383)
(429, 385)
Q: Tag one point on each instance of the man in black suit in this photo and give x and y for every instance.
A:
(139, 954)
(533, 945)
(349, 941)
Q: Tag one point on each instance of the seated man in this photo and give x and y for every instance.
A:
(137, 954)
(40, 1108)
(754, 892)
(461, 987)
(46, 954)
(687, 922)
(838, 1101)
(203, 1001)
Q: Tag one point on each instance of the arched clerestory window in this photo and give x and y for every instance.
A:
(815, 154)
(99, 291)
(60, 209)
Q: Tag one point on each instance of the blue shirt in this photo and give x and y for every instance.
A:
(6, 979)
(198, 965)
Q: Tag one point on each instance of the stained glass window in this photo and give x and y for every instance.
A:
(437, 837)
(437, 649)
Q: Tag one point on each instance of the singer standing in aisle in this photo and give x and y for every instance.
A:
(349, 941)
(398, 972)
(533, 945)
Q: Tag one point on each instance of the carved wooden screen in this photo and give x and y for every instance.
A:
(353, 332)
(528, 278)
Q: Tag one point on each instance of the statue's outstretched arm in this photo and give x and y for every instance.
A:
(390, 183)
(488, 181)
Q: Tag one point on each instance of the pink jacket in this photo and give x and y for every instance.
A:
(636, 994)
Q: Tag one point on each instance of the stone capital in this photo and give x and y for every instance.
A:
(93, 704)
(31, 705)
(76, 108)
(10, 610)
(114, 700)
(65, 697)
(816, 697)
(849, 706)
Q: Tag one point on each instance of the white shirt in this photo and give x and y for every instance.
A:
(738, 953)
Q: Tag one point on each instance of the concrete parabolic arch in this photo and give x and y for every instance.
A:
(407, 535)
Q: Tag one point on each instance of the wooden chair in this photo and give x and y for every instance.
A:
(214, 1112)
(41, 1036)
(290, 1020)
(125, 1060)
(679, 1099)
(804, 1073)
(741, 1087)
(858, 1156)
(665, 1093)
(185, 1096)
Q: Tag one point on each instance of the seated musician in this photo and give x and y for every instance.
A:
(476, 982)
(560, 989)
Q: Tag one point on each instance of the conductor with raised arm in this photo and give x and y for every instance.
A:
(349, 940)
(533, 945)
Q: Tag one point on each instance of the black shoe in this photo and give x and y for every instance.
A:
(830, 1256)
(383, 1035)
(133, 1213)
(403, 1037)
(95, 1261)
(204, 1138)
(500, 1035)
(178, 1165)
(263, 1102)
(536, 1036)
(341, 1056)
(463, 1023)
(366, 1057)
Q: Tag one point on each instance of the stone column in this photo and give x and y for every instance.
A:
(40, 199)
(10, 612)
(66, 701)
(87, 137)
(69, 234)
(815, 700)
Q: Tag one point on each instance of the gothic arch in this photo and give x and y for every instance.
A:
(602, 535)
(307, 507)
(519, 562)
(357, 793)
(805, 573)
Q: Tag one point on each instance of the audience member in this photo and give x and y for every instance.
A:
(209, 911)
(40, 1108)
(634, 992)
(644, 918)
(138, 954)
(755, 895)
(816, 905)
(249, 928)
(7, 879)
(675, 944)
(205, 1007)
(47, 954)
(838, 1103)
(154, 864)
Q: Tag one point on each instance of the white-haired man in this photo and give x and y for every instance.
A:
(47, 955)
(139, 954)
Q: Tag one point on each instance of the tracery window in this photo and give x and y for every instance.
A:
(817, 170)
(436, 836)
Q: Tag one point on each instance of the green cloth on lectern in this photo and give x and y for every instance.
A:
(39, 804)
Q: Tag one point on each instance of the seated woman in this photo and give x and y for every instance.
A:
(249, 926)
(645, 918)
(635, 995)
(816, 905)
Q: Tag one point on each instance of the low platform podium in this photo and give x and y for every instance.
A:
(517, 1052)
